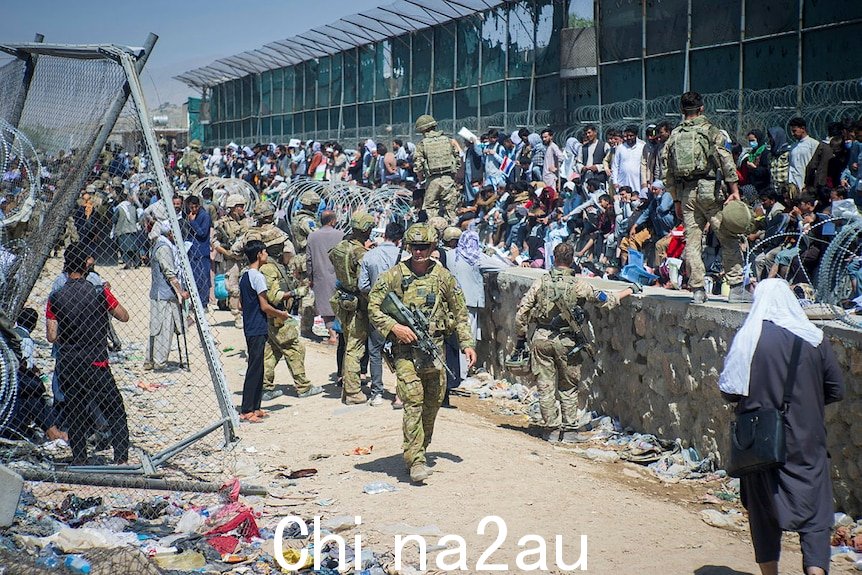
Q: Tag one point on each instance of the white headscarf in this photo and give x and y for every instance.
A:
(773, 301)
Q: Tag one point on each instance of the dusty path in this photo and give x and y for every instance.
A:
(633, 523)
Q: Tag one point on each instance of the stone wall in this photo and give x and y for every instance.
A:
(657, 365)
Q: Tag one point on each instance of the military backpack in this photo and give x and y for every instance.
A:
(691, 151)
(438, 155)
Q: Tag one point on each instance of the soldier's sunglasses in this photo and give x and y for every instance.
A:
(420, 247)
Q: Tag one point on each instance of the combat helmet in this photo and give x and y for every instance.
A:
(234, 200)
(362, 221)
(195, 144)
(264, 210)
(425, 122)
(518, 363)
(310, 199)
(736, 218)
(420, 234)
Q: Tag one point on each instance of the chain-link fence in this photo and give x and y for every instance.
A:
(119, 372)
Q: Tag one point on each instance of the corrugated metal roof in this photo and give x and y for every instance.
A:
(400, 17)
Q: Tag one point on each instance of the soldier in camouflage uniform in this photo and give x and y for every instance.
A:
(283, 336)
(697, 194)
(191, 164)
(228, 230)
(436, 161)
(350, 305)
(302, 224)
(424, 285)
(548, 304)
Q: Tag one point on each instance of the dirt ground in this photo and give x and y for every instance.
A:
(617, 515)
(484, 464)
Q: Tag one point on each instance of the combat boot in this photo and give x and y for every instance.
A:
(551, 435)
(573, 437)
(354, 399)
(419, 473)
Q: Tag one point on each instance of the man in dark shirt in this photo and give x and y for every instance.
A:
(77, 321)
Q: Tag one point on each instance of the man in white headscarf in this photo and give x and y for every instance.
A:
(165, 291)
(798, 495)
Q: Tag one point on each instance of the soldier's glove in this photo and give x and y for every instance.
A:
(636, 287)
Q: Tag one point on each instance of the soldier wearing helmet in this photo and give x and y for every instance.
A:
(554, 305)
(282, 288)
(303, 222)
(423, 285)
(436, 160)
(191, 164)
(228, 230)
(349, 304)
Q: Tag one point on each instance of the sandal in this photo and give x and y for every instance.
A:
(250, 417)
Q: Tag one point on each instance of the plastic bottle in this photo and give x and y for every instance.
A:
(48, 562)
(77, 564)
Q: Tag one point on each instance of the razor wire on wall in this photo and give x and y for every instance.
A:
(738, 111)
(62, 185)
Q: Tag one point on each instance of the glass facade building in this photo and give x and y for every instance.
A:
(496, 62)
(505, 64)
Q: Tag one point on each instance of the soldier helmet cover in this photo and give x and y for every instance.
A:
(195, 144)
(264, 209)
(451, 233)
(420, 234)
(439, 223)
(235, 200)
(309, 198)
(362, 221)
(425, 122)
(272, 236)
(736, 218)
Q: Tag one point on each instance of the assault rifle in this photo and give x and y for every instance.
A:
(415, 320)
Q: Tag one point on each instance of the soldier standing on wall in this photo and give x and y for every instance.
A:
(436, 161)
(424, 286)
(554, 304)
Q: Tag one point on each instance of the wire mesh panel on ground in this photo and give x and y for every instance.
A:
(163, 393)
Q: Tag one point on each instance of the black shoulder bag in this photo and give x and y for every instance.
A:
(757, 437)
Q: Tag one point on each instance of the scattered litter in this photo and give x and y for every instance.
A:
(378, 487)
(731, 520)
(316, 456)
(360, 451)
(300, 473)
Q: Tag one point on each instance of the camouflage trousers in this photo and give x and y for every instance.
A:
(422, 393)
(700, 207)
(441, 197)
(557, 375)
(355, 326)
(283, 341)
(233, 271)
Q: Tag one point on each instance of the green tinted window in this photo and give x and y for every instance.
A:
(521, 39)
(401, 111)
(418, 106)
(493, 98)
(762, 18)
(323, 82)
(277, 91)
(444, 56)
(714, 22)
(287, 104)
(442, 105)
(383, 71)
(666, 26)
(468, 53)
(715, 69)
(311, 68)
(621, 30)
(366, 73)
(467, 102)
(266, 93)
(620, 81)
(770, 63)
(400, 80)
(322, 117)
(494, 45)
(518, 95)
(366, 115)
(825, 54)
(299, 86)
(335, 79)
(550, 18)
(548, 93)
(422, 47)
(350, 76)
(382, 113)
(665, 75)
